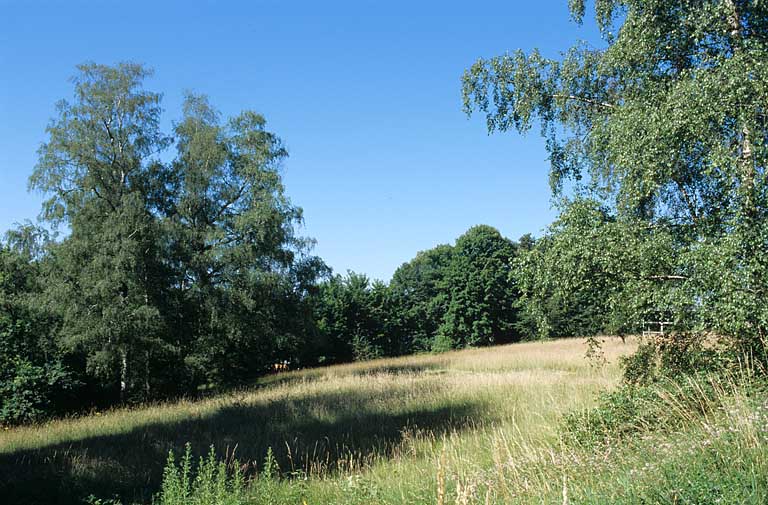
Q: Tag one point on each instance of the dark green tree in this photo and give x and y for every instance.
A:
(482, 295)
(351, 318)
(420, 291)
(241, 271)
(35, 381)
(97, 169)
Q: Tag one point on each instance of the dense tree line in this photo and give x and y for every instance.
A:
(177, 267)
(448, 297)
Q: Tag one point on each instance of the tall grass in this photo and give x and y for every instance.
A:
(480, 426)
(369, 429)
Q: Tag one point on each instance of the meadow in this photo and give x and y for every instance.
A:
(474, 426)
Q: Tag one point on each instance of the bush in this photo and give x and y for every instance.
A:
(671, 357)
(27, 390)
(618, 414)
(635, 408)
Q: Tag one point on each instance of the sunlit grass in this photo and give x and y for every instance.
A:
(481, 426)
(340, 427)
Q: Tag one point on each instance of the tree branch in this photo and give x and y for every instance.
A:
(667, 277)
(229, 202)
(585, 100)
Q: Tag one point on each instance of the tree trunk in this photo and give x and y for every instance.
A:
(146, 377)
(123, 375)
(747, 172)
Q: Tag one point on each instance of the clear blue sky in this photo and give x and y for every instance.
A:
(366, 95)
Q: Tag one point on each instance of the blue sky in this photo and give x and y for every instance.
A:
(366, 96)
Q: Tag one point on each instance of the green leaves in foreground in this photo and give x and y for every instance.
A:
(210, 482)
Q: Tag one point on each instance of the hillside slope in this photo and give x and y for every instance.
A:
(335, 424)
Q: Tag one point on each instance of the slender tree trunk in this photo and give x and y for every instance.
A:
(748, 175)
(146, 377)
(748, 204)
(123, 374)
(746, 165)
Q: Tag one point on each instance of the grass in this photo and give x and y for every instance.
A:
(478, 426)
(338, 426)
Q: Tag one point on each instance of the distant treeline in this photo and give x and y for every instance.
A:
(179, 268)
(182, 272)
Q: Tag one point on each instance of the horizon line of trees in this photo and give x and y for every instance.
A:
(188, 274)
(182, 271)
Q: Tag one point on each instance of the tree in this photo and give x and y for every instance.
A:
(174, 274)
(97, 167)
(241, 271)
(666, 124)
(591, 274)
(482, 294)
(350, 318)
(34, 378)
(420, 290)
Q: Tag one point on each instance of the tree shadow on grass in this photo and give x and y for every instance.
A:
(311, 433)
(313, 374)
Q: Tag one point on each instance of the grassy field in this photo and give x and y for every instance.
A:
(476, 426)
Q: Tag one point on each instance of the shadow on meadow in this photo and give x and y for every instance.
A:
(347, 370)
(318, 433)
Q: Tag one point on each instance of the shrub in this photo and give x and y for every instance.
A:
(634, 408)
(618, 414)
(672, 356)
(27, 390)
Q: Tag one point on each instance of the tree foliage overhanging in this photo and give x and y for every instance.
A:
(661, 136)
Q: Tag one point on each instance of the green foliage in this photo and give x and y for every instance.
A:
(481, 292)
(619, 414)
(718, 458)
(356, 320)
(106, 283)
(667, 382)
(448, 297)
(420, 289)
(242, 273)
(637, 408)
(28, 391)
(33, 379)
(592, 273)
(187, 274)
(673, 356)
(210, 482)
(174, 275)
(271, 469)
(666, 126)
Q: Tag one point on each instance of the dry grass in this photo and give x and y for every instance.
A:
(379, 426)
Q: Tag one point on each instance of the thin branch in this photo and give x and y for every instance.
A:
(229, 202)
(586, 100)
(667, 277)
(688, 201)
(96, 191)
